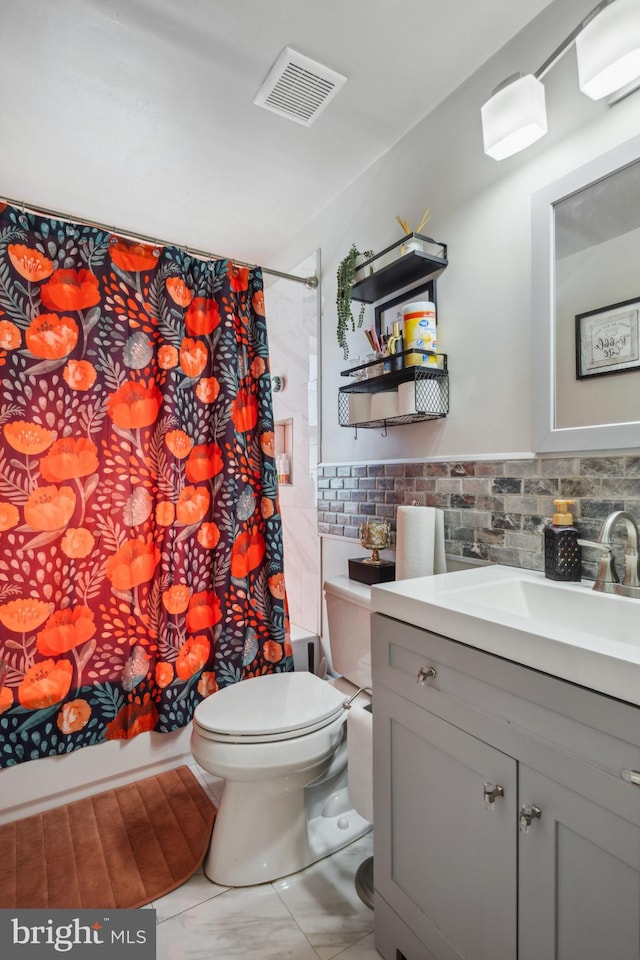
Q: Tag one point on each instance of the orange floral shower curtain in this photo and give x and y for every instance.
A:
(141, 562)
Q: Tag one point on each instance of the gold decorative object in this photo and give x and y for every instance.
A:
(407, 229)
(375, 535)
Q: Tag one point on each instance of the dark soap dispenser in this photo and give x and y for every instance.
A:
(561, 547)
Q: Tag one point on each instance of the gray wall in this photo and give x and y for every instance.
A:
(481, 209)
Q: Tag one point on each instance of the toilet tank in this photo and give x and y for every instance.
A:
(349, 622)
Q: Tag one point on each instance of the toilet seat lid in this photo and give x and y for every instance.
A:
(276, 706)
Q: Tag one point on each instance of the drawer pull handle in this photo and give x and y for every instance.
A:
(528, 813)
(491, 793)
(632, 776)
(426, 673)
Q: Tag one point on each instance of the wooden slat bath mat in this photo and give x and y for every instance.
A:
(121, 848)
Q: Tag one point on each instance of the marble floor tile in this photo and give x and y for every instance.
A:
(240, 924)
(362, 950)
(212, 785)
(324, 903)
(198, 889)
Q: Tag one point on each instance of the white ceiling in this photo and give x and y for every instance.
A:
(139, 113)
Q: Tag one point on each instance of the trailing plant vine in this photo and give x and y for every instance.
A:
(345, 276)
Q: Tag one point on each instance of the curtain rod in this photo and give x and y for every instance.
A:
(310, 282)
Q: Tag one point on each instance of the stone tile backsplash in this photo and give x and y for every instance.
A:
(494, 510)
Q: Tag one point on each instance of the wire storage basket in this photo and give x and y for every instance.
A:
(409, 395)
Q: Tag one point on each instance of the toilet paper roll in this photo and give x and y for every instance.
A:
(384, 406)
(436, 401)
(359, 407)
(406, 398)
(360, 760)
(419, 542)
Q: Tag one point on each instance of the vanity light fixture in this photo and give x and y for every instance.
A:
(608, 50)
(608, 53)
(514, 117)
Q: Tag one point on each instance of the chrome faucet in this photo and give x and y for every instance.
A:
(607, 580)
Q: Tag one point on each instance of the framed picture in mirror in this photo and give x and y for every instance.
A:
(607, 339)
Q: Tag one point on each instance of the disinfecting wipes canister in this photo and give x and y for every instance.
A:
(419, 320)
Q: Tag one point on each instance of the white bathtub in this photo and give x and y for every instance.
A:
(38, 785)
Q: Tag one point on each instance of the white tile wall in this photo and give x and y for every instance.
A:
(292, 325)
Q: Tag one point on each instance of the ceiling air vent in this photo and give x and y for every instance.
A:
(298, 88)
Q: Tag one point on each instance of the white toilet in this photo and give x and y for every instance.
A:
(279, 743)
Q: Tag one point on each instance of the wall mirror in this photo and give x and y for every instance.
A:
(586, 306)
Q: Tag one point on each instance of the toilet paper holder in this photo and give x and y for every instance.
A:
(348, 703)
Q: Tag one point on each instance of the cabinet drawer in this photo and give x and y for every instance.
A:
(560, 728)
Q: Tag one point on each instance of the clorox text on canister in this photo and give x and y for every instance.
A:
(419, 320)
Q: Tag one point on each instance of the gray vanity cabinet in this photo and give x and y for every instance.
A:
(579, 878)
(463, 762)
(441, 837)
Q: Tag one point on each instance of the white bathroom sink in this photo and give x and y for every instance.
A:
(558, 607)
(564, 629)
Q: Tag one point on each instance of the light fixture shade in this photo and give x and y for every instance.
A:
(514, 117)
(608, 49)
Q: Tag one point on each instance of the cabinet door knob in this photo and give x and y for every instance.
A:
(528, 813)
(632, 776)
(426, 673)
(491, 793)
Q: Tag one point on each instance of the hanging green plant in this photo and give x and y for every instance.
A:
(346, 273)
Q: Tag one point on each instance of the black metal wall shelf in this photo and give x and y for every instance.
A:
(391, 378)
(430, 391)
(411, 259)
